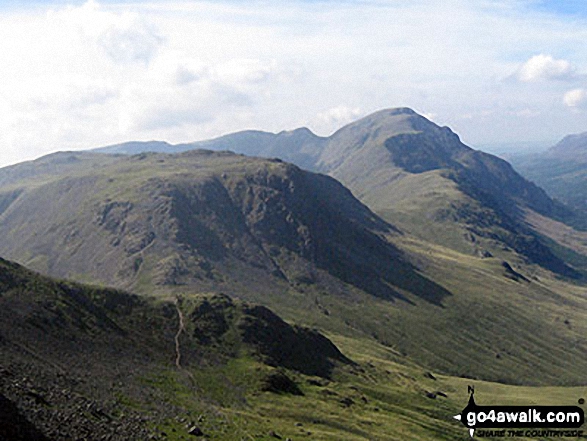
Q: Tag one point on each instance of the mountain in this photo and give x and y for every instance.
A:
(300, 146)
(269, 302)
(560, 170)
(136, 147)
(570, 148)
(297, 242)
(201, 219)
(422, 178)
(86, 362)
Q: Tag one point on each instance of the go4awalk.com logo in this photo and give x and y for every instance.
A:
(521, 421)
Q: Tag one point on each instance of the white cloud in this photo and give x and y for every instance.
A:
(186, 92)
(335, 117)
(130, 41)
(185, 74)
(576, 98)
(525, 113)
(245, 71)
(74, 77)
(545, 67)
(169, 107)
(124, 37)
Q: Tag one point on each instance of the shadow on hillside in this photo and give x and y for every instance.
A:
(14, 426)
(219, 322)
(318, 220)
(378, 268)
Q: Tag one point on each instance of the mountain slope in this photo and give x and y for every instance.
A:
(420, 177)
(203, 219)
(79, 362)
(570, 148)
(561, 170)
(297, 242)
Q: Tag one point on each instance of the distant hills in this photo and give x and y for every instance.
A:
(439, 262)
(561, 170)
(416, 175)
(283, 282)
(570, 148)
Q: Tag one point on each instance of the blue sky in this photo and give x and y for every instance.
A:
(566, 7)
(76, 75)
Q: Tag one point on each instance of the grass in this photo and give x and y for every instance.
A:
(380, 398)
(463, 334)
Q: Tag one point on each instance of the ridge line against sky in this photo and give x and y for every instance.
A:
(76, 75)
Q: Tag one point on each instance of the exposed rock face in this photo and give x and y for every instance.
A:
(396, 161)
(202, 219)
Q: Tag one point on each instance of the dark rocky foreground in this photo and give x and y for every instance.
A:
(88, 363)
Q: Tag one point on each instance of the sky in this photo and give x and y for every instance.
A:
(84, 74)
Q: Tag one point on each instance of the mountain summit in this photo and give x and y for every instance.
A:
(561, 170)
(391, 131)
(437, 248)
(421, 177)
(571, 148)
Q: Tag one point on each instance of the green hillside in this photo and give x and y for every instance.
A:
(213, 220)
(421, 178)
(297, 242)
(270, 303)
(561, 170)
(85, 362)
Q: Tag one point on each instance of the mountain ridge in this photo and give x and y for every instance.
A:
(203, 210)
(300, 243)
(395, 151)
(561, 170)
(80, 361)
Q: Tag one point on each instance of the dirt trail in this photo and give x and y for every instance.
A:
(179, 331)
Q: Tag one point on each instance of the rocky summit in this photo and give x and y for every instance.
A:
(190, 291)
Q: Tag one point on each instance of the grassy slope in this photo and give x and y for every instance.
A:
(492, 326)
(549, 316)
(383, 398)
(562, 179)
(415, 205)
(125, 375)
(500, 317)
(393, 161)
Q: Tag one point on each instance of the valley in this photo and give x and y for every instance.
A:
(351, 295)
(560, 170)
(104, 365)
